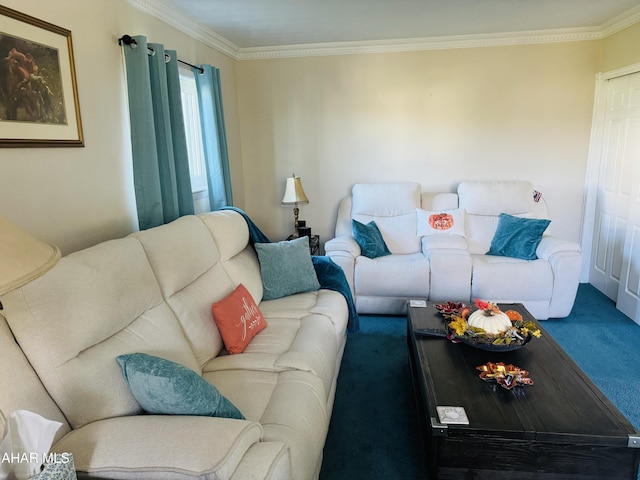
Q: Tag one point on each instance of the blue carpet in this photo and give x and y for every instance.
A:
(373, 432)
(374, 426)
(605, 343)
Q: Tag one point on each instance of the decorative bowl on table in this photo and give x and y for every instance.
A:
(449, 309)
(507, 376)
(487, 327)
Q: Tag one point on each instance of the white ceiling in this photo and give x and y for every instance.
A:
(251, 25)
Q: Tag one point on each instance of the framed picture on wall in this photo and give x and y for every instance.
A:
(38, 93)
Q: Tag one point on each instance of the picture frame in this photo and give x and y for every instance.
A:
(39, 104)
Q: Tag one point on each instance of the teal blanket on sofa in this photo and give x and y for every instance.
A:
(330, 274)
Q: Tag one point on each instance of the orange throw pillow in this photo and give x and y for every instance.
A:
(238, 318)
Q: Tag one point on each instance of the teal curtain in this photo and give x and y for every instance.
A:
(160, 162)
(214, 136)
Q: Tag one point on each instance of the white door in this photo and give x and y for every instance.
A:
(629, 289)
(613, 192)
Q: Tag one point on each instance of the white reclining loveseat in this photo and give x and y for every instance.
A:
(451, 264)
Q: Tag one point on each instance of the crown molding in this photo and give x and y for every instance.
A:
(625, 20)
(417, 44)
(186, 25)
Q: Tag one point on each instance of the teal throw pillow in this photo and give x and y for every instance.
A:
(286, 268)
(517, 237)
(370, 239)
(167, 388)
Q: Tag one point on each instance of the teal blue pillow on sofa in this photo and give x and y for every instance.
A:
(286, 268)
(370, 239)
(517, 237)
(167, 388)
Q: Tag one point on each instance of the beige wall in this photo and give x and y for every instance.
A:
(76, 197)
(435, 117)
(621, 49)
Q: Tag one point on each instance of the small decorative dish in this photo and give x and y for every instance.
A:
(449, 309)
(507, 376)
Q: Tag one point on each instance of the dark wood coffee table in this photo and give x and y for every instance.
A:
(562, 427)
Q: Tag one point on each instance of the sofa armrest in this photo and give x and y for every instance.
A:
(154, 446)
(551, 245)
(443, 242)
(344, 250)
(565, 259)
(344, 243)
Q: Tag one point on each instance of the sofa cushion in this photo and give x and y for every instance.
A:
(369, 239)
(186, 262)
(238, 318)
(494, 198)
(306, 344)
(286, 268)
(393, 275)
(324, 302)
(517, 237)
(508, 279)
(290, 405)
(168, 388)
(440, 222)
(393, 207)
(238, 257)
(74, 321)
(20, 387)
(439, 200)
(483, 203)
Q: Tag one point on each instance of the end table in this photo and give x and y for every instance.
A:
(314, 243)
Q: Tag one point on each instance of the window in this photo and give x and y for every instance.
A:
(195, 150)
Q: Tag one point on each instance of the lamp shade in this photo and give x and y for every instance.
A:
(22, 257)
(294, 193)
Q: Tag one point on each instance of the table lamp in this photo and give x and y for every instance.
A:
(294, 195)
(22, 257)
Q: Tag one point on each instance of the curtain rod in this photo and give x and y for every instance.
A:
(129, 40)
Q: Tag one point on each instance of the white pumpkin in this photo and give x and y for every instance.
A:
(490, 322)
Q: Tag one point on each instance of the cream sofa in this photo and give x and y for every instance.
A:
(152, 292)
(451, 267)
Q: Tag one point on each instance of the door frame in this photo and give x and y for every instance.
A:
(594, 163)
